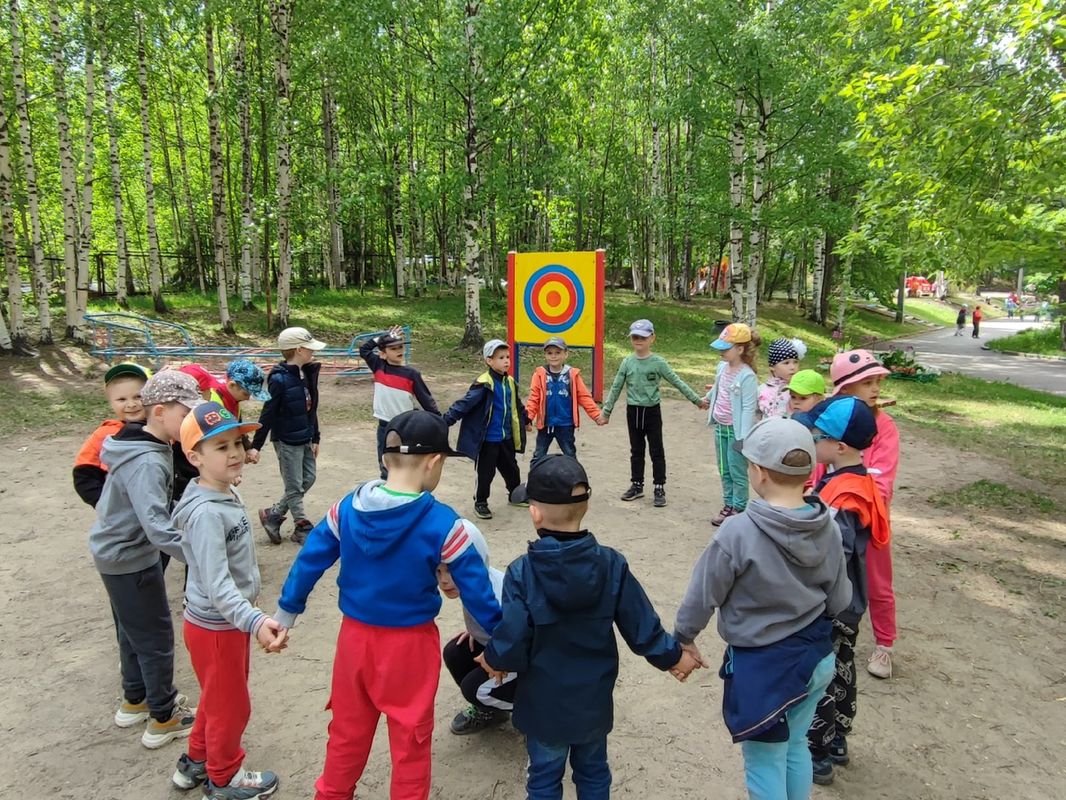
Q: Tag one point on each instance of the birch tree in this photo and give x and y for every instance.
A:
(114, 164)
(247, 228)
(738, 144)
(332, 149)
(88, 166)
(472, 336)
(7, 232)
(280, 19)
(155, 269)
(183, 165)
(218, 199)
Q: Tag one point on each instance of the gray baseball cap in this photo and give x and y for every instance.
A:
(171, 386)
(769, 441)
(555, 341)
(491, 346)
(642, 327)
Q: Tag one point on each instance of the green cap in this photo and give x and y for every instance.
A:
(127, 369)
(807, 382)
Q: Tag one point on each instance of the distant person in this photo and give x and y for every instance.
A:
(1010, 305)
(960, 321)
(977, 322)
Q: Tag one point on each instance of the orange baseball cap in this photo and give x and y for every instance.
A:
(208, 420)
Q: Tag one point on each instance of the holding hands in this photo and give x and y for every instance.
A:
(492, 673)
(272, 637)
(704, 403)
(691, 659)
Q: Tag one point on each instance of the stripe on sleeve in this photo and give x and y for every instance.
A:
(455, 545)
(333, 519)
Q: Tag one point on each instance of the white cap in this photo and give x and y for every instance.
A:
(491, 346)
(291, 338)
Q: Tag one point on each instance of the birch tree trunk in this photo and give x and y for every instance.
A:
(183, 164)
(88, 167)
(738, 142)
(218, 200)
(7, 235)
(654, 232)
(155, 269)
(472, 335)
(337, 277)
(280, 16)
(67, 176)
(758, 195)
(121, 250)
(816, 312)
(247, 228)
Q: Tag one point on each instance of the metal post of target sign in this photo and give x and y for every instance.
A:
(557, 294)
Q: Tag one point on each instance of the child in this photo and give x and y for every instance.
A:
(784, 359)
(563, 600)
(641, 374)
(843, 427)
(805, 391)
(555, 392)
(290, 416)
(220, 615)
(774, 573)
(977, 322)
(732, 399)
(489, 701)
(494, 425)
(390, 536)
(396, 385)
(857, 373)
(960, 321)
(132, 526)
(244, 381)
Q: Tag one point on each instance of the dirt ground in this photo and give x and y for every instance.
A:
(977, 709)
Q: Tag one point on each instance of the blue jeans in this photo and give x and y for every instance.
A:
(547, 762)
(563, 434)
(783, 770)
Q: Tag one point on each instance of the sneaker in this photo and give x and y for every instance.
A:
(178, 726)
(482, 511)
(727, 511)
(474, 719)
(518, 505)
(660, 497)
(823, 771)
(189, 774)
(299, 533)
(271, 523)
(838, 751)
(130, 714)
(245, 785)
(880, 664)
(635, 491)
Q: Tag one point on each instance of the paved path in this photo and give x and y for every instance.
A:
(950, 353)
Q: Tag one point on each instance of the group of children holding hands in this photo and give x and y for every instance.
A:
(790, 574)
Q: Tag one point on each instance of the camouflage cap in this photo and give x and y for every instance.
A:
(171, 386)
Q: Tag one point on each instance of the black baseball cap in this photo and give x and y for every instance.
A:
(387, 340)
(552, 480)
(418, 433)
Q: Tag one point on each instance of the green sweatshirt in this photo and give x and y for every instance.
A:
(641, 377)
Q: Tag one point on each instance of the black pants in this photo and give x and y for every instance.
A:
(646, 423)
(145, 638)
(976, 330)
(835, 712)
(475, 684)
(382, 427)
(495, 456)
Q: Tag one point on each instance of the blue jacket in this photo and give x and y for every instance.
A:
(561, 602)
(389, 546)
(286, 415)
(475, 410)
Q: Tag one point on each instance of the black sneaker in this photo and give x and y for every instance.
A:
(189, 774)
(823, 771)
(474, 719)
(660, 497)
(635, 491)
(838, 751)
(271, 523)
(482, 511)
(299, 533)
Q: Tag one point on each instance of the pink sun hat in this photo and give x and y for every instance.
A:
(853, 366)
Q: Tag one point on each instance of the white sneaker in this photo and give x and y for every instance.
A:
(129, 714)
(880, 664)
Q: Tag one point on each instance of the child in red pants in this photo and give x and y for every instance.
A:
(390, 536)
(219, 614)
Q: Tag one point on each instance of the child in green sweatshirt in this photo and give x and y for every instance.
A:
(641, 373)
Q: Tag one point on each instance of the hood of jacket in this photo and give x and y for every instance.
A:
(571, 572)
(798, 534)
(381, 514)
(196, 495)
(133, 440)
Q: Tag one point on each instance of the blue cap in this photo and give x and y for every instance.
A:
(249, 377)
(845, 418)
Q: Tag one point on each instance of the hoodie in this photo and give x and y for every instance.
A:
(389, 545)
(223, 580)
(770, 572)
(133, 514)
(561, 602)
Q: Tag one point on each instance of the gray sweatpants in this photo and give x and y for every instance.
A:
(297, 465)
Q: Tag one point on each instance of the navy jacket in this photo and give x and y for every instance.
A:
(286, 415)
(474, 409)
(561, 602)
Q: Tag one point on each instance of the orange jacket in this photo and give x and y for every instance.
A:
(535, 405)
(89, 454)
(860, 494)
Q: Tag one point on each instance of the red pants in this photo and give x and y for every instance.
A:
(882, 595)
(390, 671)
(220, 660)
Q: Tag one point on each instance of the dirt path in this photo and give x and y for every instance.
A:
(977, 711)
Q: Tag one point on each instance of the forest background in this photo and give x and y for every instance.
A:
(806, 150)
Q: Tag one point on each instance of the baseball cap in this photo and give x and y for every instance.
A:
(127, 369)
(208, 420)
(491, 346)
(387, 339)
(846, 419)
(770, 441)
(807, 382)
(552, 480)
(642, 327)
(853, 366)
(171, 386)
(249, 377)
(555, 341)
(734, 333)
(291, 338)
(418, 432)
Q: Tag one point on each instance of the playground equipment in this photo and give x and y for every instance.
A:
(121, 336)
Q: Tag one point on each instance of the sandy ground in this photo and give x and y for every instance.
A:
(977, 709)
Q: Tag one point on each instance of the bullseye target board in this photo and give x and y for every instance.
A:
(557, 294)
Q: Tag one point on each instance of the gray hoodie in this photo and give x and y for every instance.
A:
(133, 514)
(770, 572)
(219, 548)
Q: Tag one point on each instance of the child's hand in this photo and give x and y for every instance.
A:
(704, 403)
(694, 651)
(396, 331)
(281, 641)
(601, 420)
(708, 386)
(604, 419)
(465, 637)
(492, 673)
(251, 457)
(685, 665)
(269, 634)
(237, 480)
(314, 450)
(529, 426)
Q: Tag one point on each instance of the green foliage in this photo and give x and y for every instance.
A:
(992, 496)
(1041, 341)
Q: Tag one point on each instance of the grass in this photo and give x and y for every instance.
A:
(1042, 341)
(989, 495)
(931, 311)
